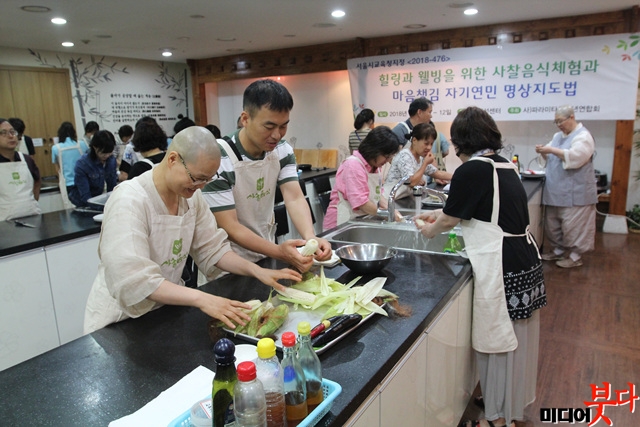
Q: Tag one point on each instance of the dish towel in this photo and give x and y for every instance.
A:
(172, 402)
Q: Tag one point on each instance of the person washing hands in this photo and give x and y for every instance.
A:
(488, 201)
(255, 160)
(358, 180)
(151, 224)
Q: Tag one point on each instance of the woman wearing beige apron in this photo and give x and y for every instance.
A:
(488, 200)
(64, 155)
(358, 186)
(17, 197)
(151, 225)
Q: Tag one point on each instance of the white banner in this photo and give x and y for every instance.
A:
(597, 75)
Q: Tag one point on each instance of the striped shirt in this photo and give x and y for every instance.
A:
(219, 194)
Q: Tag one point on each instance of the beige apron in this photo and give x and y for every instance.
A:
(170, 238)
(439, 157)
(345, 211)
(254, 194)
(16, 190)
(492, 330)
(62, 183)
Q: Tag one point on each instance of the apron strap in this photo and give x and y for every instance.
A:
(529, 237)
(228, 144)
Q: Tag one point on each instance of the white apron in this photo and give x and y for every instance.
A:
(62, 182)
(345, 211)
(16, 190)
(254, 194)
(492, 330)
(170, 238)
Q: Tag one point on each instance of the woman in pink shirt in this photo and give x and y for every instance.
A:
(358, 181)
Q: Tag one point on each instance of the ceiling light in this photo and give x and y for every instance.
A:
(289, 35)
(196, 16)
(37, 9)
(338, 13)
(67, 44)
(226, 39)
(414, 26)
(103, 36)
(59, 21)
(323, 25)
(470, 11)
(166, 53)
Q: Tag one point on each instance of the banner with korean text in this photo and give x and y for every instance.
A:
(597, 75)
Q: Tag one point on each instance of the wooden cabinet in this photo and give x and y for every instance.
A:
(368, 415)
(72, 268)
(27, 318)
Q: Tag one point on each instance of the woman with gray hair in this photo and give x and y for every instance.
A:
(151, 225)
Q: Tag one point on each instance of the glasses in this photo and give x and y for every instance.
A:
(193, 180)
(11, 132)
(561, 121)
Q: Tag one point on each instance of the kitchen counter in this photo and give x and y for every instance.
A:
(115, 371)
(50, 228)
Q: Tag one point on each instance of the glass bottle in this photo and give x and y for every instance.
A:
(453, 244)
(295, 386)
(311, 367)
(224, 382)
(249, 403)
(272, 378)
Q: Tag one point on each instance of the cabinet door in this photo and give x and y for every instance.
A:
(368, 414)
(466, 374)
(27, 320)
(73, 266)
(403, 392)
(441, 368)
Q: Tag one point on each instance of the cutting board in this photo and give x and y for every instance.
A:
(317, 158)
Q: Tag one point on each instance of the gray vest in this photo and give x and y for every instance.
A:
(568, 187)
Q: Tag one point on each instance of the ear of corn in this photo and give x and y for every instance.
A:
(309, 248)
(297, 296)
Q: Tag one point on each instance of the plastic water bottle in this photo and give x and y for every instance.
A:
(311, 367)
(249, 402)
(453, 244)
(295, 386)
(271, 376)
(224, 383)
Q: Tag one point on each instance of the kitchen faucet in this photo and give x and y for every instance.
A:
(421, 189)
(390, 212)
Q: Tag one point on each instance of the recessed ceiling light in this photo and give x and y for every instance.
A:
(67, 44)
(166, 53)
(226, 39)
(338, 13)
(289, 35)
(196, 16)
(37, 9)
(59, 21)
(323, 25)
(470, 11)
(235, 50)
(414, 26)
(103, 36)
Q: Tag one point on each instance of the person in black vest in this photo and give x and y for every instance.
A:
(25, 143)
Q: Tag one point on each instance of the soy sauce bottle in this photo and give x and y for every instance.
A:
(224, 382)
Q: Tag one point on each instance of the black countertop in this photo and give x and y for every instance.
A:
(50, 228)
(314, 172)
(115, 371)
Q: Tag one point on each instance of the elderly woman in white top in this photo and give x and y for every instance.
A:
(415, 160)
(151, 224)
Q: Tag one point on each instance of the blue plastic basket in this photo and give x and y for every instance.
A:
(330, 390)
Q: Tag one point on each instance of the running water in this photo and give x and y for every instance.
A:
(417, 199)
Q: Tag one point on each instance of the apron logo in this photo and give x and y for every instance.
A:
(177, 246)
(259, 184)
(377, 189)
(15, 175)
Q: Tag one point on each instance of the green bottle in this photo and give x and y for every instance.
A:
(224, 382)
(453, 244)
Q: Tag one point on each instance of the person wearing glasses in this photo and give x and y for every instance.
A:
(151, 225)
(150, 143)
(19, 177)
(95, 169)
(358, 186)
(570, 193)
(255, 161)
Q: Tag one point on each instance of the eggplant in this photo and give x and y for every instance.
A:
(337, 328)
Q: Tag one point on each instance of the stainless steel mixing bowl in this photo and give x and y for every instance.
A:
(366, 258)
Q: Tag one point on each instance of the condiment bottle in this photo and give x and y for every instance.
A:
(249, 402)
(295, 387)
(453, 244)
(224, 382)
(311, 367)
(270, 374)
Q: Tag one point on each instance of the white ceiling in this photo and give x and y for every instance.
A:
(142, 28)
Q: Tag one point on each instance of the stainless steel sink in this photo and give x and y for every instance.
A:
(399, 235)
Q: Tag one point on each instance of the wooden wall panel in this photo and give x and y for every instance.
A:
(621, 167)
(6, 96)
(56, 101)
